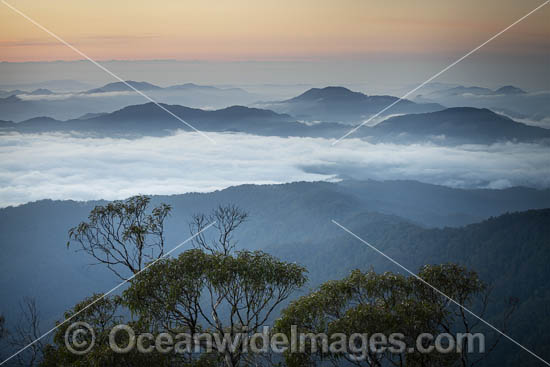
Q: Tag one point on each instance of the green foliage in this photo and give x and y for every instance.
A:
(207, 289)
(170, 297)
(510, 252)
(102, 316)
(369, 303)
(214, 292)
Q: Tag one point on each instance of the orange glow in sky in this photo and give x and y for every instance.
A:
(265, 30)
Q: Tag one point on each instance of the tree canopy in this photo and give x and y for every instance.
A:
(369, 303)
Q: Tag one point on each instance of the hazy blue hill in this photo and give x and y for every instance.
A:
(41, 120)
(7, 125)
(298, 212)
(480, 91)
(150, 120)
(123, 87)
(203, 88)
(440, 206)
(151, 112)
(38, 125)
(87, 116)
(293, 221)
(339, 104)
(458, 125)
(145, 86)
(510, 252)
(114, 96)
(192, 86)
(7, 93)
(10, 99)
(510, 89)
(470, 90)
(241, 112)
(329, 94)
(41, 91)
(17, 109)
(515, 101)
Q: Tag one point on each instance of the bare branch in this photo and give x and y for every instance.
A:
(123, 235)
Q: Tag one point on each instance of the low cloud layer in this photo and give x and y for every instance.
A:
(63, 96)
(58, 166)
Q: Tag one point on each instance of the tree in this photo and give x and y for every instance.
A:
(212, 290)
(3, 333)
(27, 331)
(467, 289)
(227, 220)
(214, 293)
(370, 303)
(123, 235)
(101, 314)
(2, 330)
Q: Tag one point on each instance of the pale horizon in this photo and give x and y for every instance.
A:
(380, 46)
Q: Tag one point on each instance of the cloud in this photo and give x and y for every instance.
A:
(467, 166)
(58, 166)
(63, 96)
(543, 122)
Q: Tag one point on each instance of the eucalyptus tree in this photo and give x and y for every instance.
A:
(368, 304)
(124, 235)
(211, 289)
(225, 296)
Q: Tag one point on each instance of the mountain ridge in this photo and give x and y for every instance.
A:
(123, 87)
(504, 90)
(340, 104)
(292, 222)
(456, 125)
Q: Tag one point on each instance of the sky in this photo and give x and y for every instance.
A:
(309, 41)
(264, 30)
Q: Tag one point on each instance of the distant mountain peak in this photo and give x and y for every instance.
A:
(150, 111)
(41, 92)
(43, 119)
(133, 83)
(509, 89)
(468, 90)
(461, 124)
(248, 112)
(191, 86)
(91, 115)
(342, 105)
(460, 90)
(124, 87)
(12, 98)
(329, 93)
(465, 110)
